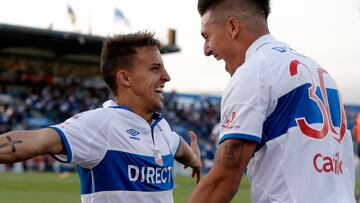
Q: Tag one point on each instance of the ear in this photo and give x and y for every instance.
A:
(233, 26)
(123, 78)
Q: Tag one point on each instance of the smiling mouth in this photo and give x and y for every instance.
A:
(217, 57)
(159, 89)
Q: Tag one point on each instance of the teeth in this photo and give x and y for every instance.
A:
(159, 89)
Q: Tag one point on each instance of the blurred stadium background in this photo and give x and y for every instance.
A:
(47, 76)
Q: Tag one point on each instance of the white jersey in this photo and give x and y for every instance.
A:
(293, 109)
(119, 156)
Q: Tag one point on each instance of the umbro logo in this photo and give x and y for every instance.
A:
(133, 134)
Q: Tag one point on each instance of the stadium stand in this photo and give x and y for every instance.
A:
(47, 76)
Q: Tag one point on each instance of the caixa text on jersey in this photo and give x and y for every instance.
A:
(328, 164)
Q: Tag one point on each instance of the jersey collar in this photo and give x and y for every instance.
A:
(261, 41)
(111, 104)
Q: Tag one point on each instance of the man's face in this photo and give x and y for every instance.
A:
(217, 40)
(148, 78)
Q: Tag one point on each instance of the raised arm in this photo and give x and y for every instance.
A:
(190, 155)
(21, 145)
(223, 180)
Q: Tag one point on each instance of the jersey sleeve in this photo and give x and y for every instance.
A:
(241, 122)
(171, 137)
(81, 138)
(246, 103)
(175, 142)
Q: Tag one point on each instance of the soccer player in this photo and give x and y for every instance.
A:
(125, 150)
(282, 115)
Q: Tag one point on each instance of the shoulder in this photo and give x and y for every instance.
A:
(163, 122)
(93, 116)
(164, 128)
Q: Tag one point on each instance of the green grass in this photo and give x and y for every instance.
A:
(48, 187)
(38, 187)
(184, 185)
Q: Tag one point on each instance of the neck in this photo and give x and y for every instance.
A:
(246, 39)
(135, 106)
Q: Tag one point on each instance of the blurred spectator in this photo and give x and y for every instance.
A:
(215, 132)
(207, 156)
(356, 133)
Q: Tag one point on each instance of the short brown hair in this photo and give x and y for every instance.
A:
(262, 6)
(118, 52)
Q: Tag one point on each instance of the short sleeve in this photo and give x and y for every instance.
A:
(84, 137)
(241, 122)
(246, 102)
(174, 142)
(74, 139)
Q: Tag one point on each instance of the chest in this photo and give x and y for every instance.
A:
(146, 141)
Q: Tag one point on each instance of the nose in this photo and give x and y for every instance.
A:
(165, 76)
(207, 50)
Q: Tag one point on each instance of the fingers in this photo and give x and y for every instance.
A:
(193, 137)
(197, 174)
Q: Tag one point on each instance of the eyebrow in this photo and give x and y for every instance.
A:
(154, 64)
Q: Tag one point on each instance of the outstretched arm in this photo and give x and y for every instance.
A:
(223, 180)
(190, 155)
(21, 145)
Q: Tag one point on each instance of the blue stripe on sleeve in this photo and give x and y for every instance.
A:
(240, 136)
(66, 145)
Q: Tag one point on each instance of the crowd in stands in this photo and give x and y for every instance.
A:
(30, 102)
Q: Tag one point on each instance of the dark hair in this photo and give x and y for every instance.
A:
(261, 5)
(119, 51)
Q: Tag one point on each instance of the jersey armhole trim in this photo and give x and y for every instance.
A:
(239, 136)
(177, 148)
(66, 145)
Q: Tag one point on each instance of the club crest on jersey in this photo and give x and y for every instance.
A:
(158, 159)
(133, 134)
(229, 122)
(323, 106)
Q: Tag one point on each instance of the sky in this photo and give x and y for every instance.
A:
(325, 30)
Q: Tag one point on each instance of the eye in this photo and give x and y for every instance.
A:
(204, 36)
(155, 68)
